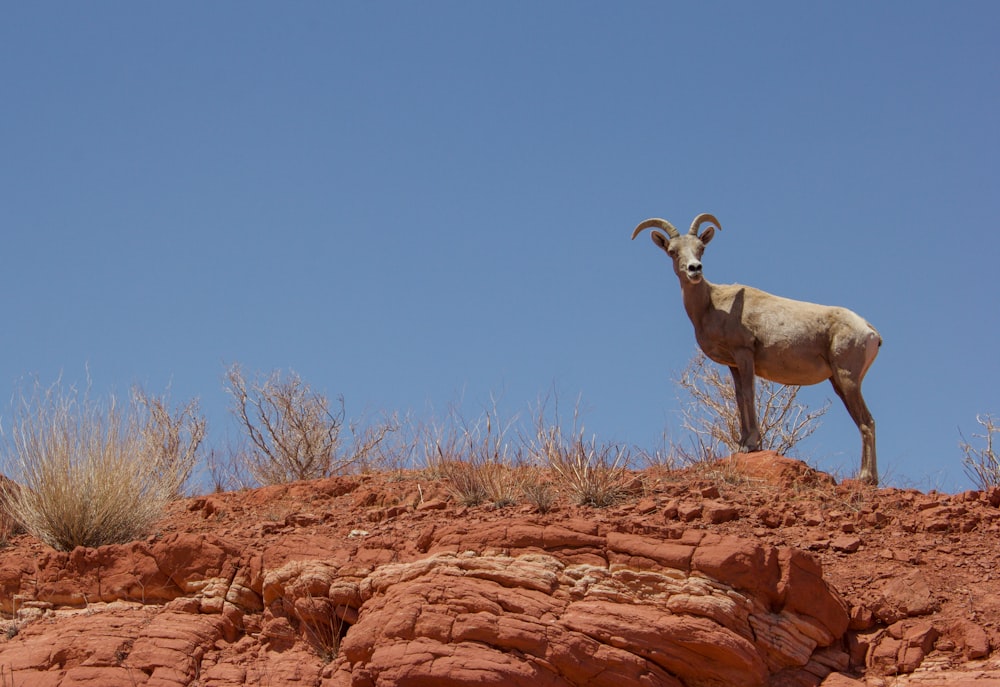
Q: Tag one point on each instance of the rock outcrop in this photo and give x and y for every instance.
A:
(369, 581)
(512, 604)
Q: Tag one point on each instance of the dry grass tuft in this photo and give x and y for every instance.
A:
(477, 460)
(540, 494)
(89, 473)
(591, 473)
(322, 625)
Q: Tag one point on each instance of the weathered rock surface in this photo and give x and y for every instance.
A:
(377, 581)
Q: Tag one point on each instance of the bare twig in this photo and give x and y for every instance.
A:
(982, 465)
(709, 412)
(294, 435)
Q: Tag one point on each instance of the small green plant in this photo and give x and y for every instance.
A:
(540, 494)
(982, 464)
(88, 473)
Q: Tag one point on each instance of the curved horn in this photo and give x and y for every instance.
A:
(701, 219)
(656, 222)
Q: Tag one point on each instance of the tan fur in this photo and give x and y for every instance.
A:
(753, 332)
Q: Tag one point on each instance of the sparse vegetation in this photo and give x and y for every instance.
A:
(709, 413)
(477, 459)
(482, 464)
(982, 464)
(321, 625)
(591, 472)
(88, 472)
(594, 474)
(64, 445)
(174, 437)
(662, 457)
(540, 494)
(294, 434)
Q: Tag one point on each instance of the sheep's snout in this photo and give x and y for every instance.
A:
(694, 270)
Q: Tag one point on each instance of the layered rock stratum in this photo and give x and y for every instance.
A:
(754, 571)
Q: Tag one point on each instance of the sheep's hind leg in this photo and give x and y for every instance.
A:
(849, 390)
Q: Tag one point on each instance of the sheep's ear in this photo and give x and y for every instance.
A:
(707, 235)
(660, 240)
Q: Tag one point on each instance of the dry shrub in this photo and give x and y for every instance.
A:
(89, 473)
(982, 465)
(293, 433)
(710, 414)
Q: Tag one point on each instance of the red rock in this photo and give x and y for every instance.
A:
(993, 496)
(689, 511)
(846, 544)
(671, 509)
(975, 643)
(841, 680)
(921, 635)
(779, 471)
(884, 655)
(861, 618)
(769, 517)
(905, 597)
(618, 596)
(742, 563)
(711, 492)
(717, 512)
(803, 591)
(646, 552)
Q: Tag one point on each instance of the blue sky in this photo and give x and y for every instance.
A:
(416, 204)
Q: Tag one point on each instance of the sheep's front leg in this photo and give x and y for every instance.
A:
(743, 383)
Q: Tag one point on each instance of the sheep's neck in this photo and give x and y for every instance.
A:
(697, 299)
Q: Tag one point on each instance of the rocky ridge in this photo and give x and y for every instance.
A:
(755, 571)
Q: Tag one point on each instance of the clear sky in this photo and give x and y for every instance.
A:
(415, 204)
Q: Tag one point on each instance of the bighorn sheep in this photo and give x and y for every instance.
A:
(754, 332)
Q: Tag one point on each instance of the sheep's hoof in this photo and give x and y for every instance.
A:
(869, 479)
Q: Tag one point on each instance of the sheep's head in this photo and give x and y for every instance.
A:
(684, 249)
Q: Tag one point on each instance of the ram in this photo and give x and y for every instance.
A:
(756, 333)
